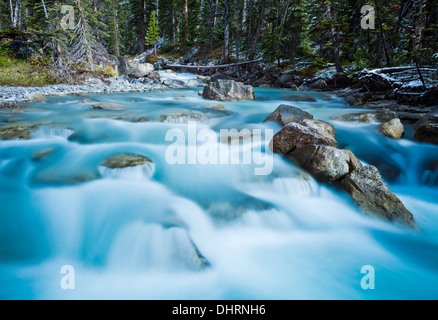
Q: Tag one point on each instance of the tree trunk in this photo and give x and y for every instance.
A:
(84, 28)
(142, 33)
(186, 17)
(226, 31)
(116, 28)
(257, 34)
(336, 54)
(382, 34)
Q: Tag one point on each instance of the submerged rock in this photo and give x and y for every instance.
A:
(295, 135)
(426, 129)
(43, 154)
(326, 163)
(298, 98)
(228, 90)
(373, 196)
(17, 131)
(183, 117)
(37, 98)
(380, 116)
(195, 83)
(392, 129)
(124, 160)
(218, 107)
(107, 106)
(286, 114)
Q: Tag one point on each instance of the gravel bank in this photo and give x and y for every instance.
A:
(115, 85)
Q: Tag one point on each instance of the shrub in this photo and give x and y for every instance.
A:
(105, 71)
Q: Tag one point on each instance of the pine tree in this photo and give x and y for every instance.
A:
(153, 35)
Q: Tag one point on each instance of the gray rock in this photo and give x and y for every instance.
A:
(325, 163)
(139, 70)
(392, 129)
(174, 83)
(125, 160)
(323, 128)
(285, 114)
(426, 129)
(295, 135)
(107, 106)
(373, 196)
(227, 90)
(319, 84)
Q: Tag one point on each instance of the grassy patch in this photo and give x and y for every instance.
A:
(20, 73)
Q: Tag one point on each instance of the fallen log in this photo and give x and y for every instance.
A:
(224, 66)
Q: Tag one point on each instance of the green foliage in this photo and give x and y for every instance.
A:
(105, 71)
(153, 35)
(20, 73)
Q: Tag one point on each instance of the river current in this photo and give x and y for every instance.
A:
(203, 231)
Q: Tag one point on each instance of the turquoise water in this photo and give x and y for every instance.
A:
(129, 233)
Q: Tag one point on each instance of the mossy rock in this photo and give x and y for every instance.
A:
(125, 160)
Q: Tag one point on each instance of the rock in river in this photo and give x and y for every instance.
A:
(285, 114)
(372, 194)
(124, 160)
(392, 129)
(227, 90)
(380, 116)
(325, 163)
(107, 106)
(295, 135)
(426, 129)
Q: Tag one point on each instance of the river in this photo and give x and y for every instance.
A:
(203, 231)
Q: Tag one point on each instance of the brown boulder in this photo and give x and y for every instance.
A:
(325, 163)
(392, 129)
(295, 135)
(373, 196)
(286, 114)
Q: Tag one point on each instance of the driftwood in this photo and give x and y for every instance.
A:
(224, 66)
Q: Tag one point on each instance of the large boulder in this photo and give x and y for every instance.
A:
(295, 135)
(392, 129)
(323, 128)
(286, 114)
(139, 70)
(373, 196)
(325, 163)
(227, 90)
(426, 129)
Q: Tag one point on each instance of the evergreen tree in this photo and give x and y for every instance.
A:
(153, 35)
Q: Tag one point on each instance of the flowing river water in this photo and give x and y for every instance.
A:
(196, 231)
